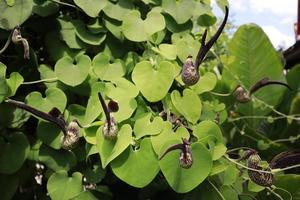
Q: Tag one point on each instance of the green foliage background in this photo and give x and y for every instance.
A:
(132, 52)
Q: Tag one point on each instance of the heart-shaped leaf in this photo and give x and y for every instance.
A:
(121, 87)
(189, 104)
(187, 46)
(143, 126)
(184, 180)
(90, 134)
(57, 48)
(131, 162)
(153, 82)
(209, 132)
(54, 98)
(3, 85)
(91, 7)
(123, 92)
(68, 34)
(14, 149)
(57, 159)
(174, 27)
(61, 186)
(13, 83)
(86, 35)
(12, 16)
(161, 142)
(50, 134)
(114, 26)
(73, 71)
(86, 195)
(44, 8)
(138, 30)
(181, 10)
(168, 51)
(12, 117)
(106, 70)
(8, 87)
(118, 10)
(108, 149)
(206, 83)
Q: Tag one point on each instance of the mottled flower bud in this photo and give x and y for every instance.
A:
(241, 95)
(110, 130)
(260, 178)
(190, 74)
(71, 138)
(17, 38)
(186, 158)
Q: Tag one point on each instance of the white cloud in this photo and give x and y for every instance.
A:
(240, 5)
(288, 20)
(277, 37)
(278, 7)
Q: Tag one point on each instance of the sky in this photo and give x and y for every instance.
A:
(276, 17)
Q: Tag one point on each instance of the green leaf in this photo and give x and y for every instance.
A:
(138, 30)
(14, 149)
(86, 36)
(91, 7)
(68, 34)
(73, 71)
(108, 149)
(121, 87)
(174, 27)
(61, 186)
(123, 92)
(143, 126)
(168, 51)
(57, 159)
(50, 134)
(253, 55)
(206, 83)
(187, 46)
(184, 180)
(189, 104)
(162, 141)
(153, 83)
(3, 85)
(44, 8)
(90, 134)
(86, 195)
(54, 98)
(12, 117)
(57, 48)
(105, 70)
(93, 109)
(94, 174)
(12, 16)
(230, 175)
(228, 192)
(180, 10)
(289, 182)
(114, 26)
(14, 82)
(222, 4)
(119, 10)
(209, 132)
(132, 162)
(10, 2)
(8, 185)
